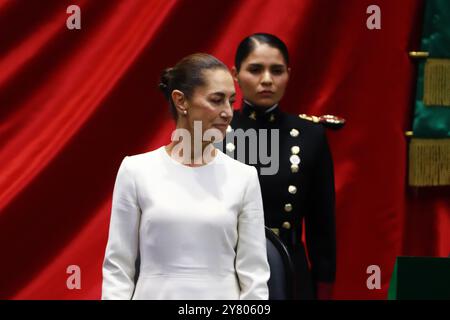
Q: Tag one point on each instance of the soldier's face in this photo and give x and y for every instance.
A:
(263, 76)
(212, 103)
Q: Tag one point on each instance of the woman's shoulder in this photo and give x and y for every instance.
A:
(144, 159)
(304, 127)
(300, 120)
(235, 165)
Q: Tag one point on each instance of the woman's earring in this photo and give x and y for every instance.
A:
(185, 112)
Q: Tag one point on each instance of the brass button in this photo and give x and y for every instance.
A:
(294, 133)
(286, 225)
(271, 118)
(252, 115)
(294, 159)
(288, 207)
(294, 168)
(230, 147)
(292, 189)
(295, 150)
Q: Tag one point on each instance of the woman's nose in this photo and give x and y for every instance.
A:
(227, 113)
(266, 78)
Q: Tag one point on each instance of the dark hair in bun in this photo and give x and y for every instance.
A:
(164, 82)
(187, 75)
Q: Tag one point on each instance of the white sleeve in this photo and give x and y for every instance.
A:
(123, 240)
(252, 266)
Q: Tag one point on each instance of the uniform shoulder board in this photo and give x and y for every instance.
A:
(328, 121)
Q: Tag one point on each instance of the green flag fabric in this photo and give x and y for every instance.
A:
(429, 150)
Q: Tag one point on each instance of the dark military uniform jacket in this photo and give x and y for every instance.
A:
(301, 191)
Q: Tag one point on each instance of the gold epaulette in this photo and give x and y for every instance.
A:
(328, 121)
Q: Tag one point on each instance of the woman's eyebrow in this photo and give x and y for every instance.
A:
(258, 65)
(221, 94)
(217, 93)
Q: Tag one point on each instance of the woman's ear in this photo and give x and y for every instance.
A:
(234, 73)
(179, 101)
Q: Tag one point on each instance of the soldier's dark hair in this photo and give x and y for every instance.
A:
(249, 44)
(187, 75)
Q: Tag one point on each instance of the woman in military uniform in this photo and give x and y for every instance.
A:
(302, 190)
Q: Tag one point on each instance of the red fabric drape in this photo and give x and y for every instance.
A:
(73, 103)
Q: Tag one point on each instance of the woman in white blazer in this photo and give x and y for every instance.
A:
(193, 214)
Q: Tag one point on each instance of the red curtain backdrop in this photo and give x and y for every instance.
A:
(73, 103)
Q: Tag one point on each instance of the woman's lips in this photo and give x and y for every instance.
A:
(265, 93)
